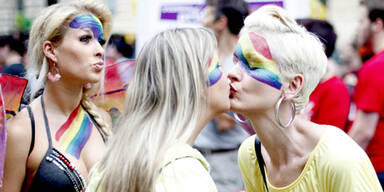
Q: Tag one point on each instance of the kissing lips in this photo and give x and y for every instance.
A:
(232, 91)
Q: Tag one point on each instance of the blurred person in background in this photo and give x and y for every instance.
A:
(329, 102)
(220, 139)
(118, 50)
(368, 126)
(14, 62)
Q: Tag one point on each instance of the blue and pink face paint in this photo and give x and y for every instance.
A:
(253, 53)
(91, 22)
(214, 71)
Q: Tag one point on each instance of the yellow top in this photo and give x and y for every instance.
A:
(336, 164)
(183, 169)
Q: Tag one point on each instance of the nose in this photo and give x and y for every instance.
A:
(99, 50)
(235, 73)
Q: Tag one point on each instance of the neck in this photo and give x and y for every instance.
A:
(226, 44)
(205, 117)
(378, 42)
(62, 97)
(276, 140)
(13, 58)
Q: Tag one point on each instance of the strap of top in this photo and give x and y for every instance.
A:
(33, 129)
(46, 121)
(260, 160)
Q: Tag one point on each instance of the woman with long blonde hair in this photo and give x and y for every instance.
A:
(54, 142)
(177, 88)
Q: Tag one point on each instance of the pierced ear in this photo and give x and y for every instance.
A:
(294, 86)
(49, 51)
(221, 23)
(377, 25)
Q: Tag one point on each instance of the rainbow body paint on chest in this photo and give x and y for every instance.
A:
(88, 21)
(253, 53)
(214, 71)
(75, 132)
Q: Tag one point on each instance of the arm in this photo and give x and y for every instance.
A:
(364, 127)
(18, 143)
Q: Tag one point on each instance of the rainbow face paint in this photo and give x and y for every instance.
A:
(91, 22)
(253, 53)
(75, 132)
(214, 72)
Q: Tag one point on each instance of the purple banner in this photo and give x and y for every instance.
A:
(252, 6)
(191, 13)
(186, 13)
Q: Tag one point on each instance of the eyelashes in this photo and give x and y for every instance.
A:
(102, 42)
(87, 38)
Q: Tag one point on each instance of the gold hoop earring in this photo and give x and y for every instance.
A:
(277, 107)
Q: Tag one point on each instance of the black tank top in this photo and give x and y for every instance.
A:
(55, 173)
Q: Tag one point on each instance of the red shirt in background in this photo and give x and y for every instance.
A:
(329, 103)
(369, 96)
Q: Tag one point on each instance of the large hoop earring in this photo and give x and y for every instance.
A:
(277, 107)
(239, 119)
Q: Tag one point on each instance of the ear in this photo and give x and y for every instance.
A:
(49, 51)
(294, 86)
(221, 23)
(377, 25)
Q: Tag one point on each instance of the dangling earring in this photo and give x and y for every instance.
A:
(237, 118)
(55, 77)
(277, 107)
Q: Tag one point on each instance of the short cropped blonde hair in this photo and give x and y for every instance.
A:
(295, 50)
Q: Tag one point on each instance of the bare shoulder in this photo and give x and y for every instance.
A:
(19, 126)
(19, 134)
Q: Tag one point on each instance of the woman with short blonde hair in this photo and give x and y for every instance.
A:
(278, 65)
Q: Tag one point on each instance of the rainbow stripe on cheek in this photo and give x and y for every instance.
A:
(75, 132)
(253, 52)
(214, 72)
(88, 21)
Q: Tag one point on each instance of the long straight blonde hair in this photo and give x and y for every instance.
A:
(163, 104)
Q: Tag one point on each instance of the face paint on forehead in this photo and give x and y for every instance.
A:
(254, 55)
(214, 72)
(88, 21)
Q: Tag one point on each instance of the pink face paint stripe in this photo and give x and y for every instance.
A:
(260, 45)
